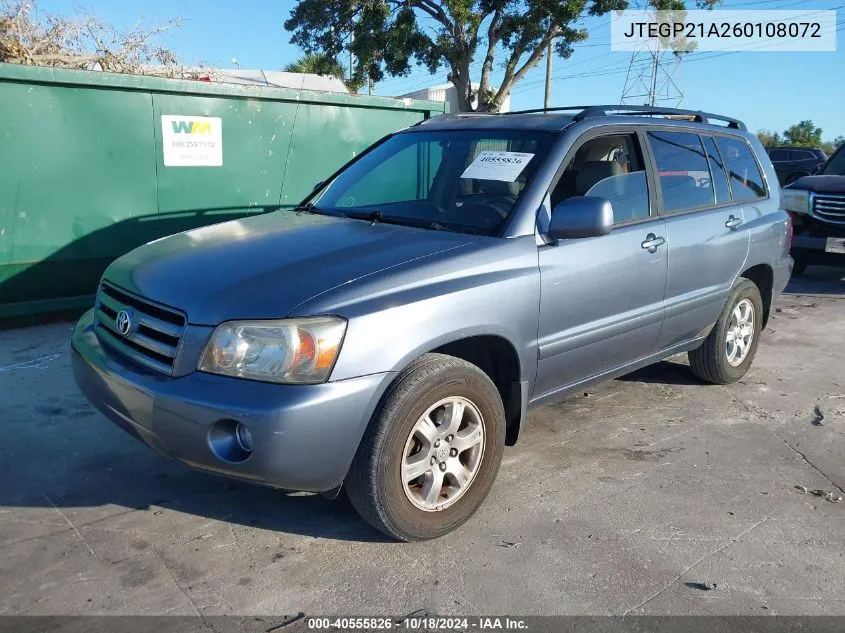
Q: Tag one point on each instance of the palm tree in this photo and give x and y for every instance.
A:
(316, 65)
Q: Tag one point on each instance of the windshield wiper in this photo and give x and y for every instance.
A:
(424, 224)
(373, 217)
(378, 216)
(310, 207)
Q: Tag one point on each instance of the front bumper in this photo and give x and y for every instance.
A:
(813, 227)
(305, 436)
(810, 248)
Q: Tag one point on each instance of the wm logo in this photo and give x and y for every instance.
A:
(191, 127)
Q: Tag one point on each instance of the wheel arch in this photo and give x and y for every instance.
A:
(762, 275)
(497, 357)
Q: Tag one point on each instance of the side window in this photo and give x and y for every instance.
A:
(802, 154)
(609, 167)
(745, 177)
(778, 154)
(717, 171)
(682, 170)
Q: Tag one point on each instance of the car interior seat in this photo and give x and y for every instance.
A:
(594, 171)
(684, 191)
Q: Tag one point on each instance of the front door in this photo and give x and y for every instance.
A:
(601, 303)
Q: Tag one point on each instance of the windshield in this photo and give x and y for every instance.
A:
(463, 180)
(836, 165)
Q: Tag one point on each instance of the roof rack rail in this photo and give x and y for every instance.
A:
(586, 112)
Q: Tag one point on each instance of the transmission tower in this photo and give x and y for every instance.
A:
(654, 77)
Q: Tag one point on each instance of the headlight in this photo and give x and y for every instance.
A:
(796, 200)
(288, 350)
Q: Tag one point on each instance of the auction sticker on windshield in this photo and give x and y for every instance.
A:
(192, 141)
(504, 166)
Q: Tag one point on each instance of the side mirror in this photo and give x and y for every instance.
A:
(581, 216)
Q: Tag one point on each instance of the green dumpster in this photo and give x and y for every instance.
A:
(94, 164)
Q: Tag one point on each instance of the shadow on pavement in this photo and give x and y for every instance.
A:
(68, 456)
(665, 372)
(818, 280)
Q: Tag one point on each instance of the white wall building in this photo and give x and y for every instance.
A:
(447, 93)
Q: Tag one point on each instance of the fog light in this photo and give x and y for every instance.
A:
(230, 441)
(244, 437)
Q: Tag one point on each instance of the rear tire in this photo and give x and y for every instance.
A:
(729, 349)
(442, 418)
(799, 266)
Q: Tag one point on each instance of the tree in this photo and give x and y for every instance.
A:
(323, 65)
(317, 65)
(831, 146)
(81, 42)
(804, 134)
(387, 36)
(769, 138)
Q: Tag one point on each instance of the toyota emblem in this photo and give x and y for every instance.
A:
(124, 323)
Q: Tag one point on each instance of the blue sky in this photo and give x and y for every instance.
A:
(768, 89)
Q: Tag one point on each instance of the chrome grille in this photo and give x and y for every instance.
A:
(155, 333)
(829, 207)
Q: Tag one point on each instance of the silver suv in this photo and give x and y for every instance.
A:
(389, 334)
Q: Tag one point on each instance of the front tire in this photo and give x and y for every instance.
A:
(729, 349)
(431, 452)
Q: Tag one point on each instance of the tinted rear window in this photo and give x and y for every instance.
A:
(745, 177)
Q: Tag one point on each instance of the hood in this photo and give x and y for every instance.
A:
(264, 266)
(820, 184)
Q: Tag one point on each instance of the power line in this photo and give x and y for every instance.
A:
(703, 57)
(613, 69)
(418, 81)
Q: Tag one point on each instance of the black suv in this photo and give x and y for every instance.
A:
(817, 206)
(791, 163)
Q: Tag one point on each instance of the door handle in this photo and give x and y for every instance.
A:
(652, 241)
(733, 222)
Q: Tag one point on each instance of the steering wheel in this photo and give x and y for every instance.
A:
(484, 214)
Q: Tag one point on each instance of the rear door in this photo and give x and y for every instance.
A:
(705, 232)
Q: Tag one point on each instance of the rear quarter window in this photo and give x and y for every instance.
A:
(744, 174)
